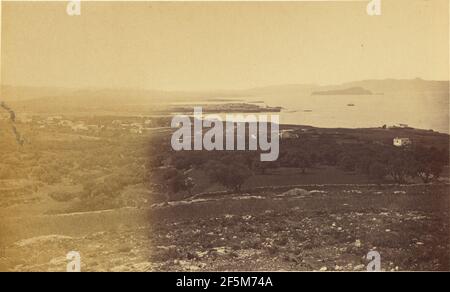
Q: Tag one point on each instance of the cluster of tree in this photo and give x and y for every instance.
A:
(229, 169)
(173, 183)
(377, 161)
(231, 175)
(398, 164)
(177, 181)
(232, 169)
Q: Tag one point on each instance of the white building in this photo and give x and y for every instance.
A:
(24, 119)
(80, 127)
(288, 134)
(136, 131)
(54, 119)
(400, 142)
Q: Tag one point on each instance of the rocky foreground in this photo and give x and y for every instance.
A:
(326, 229)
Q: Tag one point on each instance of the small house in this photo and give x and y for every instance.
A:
(401, 142)
(288, 134)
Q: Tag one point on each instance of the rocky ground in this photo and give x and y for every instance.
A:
(321, 228)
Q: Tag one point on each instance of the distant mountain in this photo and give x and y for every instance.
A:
(346, 91)
(374, 86)
(282, 90)
(395, 85)
(64, 100)
(48, 99)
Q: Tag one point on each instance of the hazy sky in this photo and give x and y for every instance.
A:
(190, 46)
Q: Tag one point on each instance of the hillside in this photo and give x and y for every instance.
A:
(345, 91)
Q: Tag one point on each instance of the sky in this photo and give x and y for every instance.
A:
(204, 46)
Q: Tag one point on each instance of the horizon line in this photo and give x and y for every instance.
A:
(217, 89)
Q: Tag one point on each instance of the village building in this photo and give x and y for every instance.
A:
(401, 142)
(288, 134)
(80, 127)
(24, 119)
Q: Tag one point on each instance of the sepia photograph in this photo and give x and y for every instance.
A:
(224, 136)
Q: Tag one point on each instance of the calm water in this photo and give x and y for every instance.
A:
(424, 110)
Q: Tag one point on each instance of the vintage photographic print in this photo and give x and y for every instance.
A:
(242, 136)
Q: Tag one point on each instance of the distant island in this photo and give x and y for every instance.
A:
(346, 91)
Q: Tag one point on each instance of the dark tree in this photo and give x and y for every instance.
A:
(231, 176)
